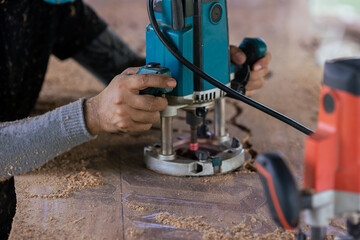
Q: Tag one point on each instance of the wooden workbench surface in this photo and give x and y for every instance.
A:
(102, 190)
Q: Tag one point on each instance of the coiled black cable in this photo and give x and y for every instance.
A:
(230, 92)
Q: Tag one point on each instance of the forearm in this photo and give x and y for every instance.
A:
(29, 143)
(107, 56)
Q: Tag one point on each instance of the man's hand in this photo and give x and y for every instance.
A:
(258, 72)
(120, 108)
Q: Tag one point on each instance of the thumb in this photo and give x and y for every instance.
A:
(237, 55)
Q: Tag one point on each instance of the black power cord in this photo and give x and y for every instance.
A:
(230, 92)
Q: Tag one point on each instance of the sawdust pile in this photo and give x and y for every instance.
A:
(193, 223)
(247, 167)
(134, 232)
(340, 225)
(69, 173)
(136, 207)
(73, 183)
(240, 231)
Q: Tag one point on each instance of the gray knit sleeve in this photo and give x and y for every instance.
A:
(29, 143)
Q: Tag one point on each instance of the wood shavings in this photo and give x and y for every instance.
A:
(136, 207)
(73, 183)
(247, 167)
(193, 223)
(336, 224)
(209, 232)
(134, 232)
(69, 174)
(78, 220)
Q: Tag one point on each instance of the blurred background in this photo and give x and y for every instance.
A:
(338, 22)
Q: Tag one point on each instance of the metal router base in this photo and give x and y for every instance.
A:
(227, 159)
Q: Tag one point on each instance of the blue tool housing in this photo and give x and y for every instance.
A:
(206, 45)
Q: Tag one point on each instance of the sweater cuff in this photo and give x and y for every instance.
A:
(73, 119)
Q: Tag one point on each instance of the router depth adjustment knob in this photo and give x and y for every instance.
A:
(155, 68)
(254, 49)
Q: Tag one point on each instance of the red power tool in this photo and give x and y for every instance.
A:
(332, 161)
